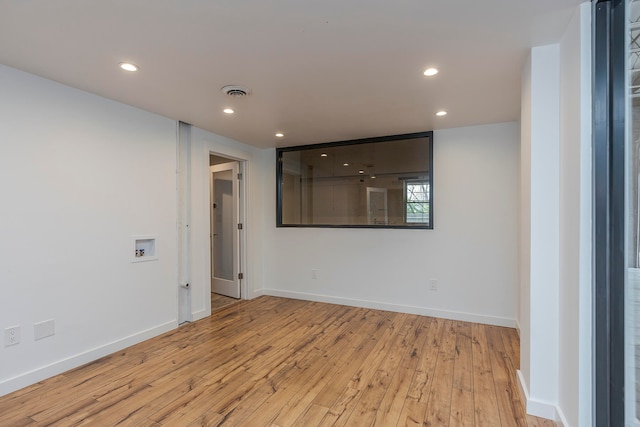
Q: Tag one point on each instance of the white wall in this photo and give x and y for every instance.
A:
(539, 337)
(202, 144)
(555, 252)
(472, 251)
(575, 221)
(524, 312)
(79, 176)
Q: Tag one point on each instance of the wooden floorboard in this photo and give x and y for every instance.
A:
(278, 362)
(218, 301)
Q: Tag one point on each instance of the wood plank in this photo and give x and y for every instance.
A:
(376, 322)
(484, 392)
(415, 405)
(439, 400)
(462, 407)
(279, 362)
(315, 368)
(390, 408)
(508, 395)
(343, 366)
(511, 344)
(312, 417)
(371, 379)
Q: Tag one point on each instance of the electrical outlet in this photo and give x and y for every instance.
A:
(12, 336)
(314, 274)
(433, 284)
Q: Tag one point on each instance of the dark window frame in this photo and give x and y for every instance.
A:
(609, 160)
(279, 173)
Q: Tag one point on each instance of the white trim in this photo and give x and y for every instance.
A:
(423, 311)
(243, 160)
(229, 287)
(257, 293)
(201, 314)
(562, 420)
(28, 378)
(537, 408)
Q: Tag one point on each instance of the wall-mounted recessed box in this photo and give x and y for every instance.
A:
(44, 329)
(145, 248)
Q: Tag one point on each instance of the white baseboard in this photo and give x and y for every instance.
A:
(423, 311)
(538, 408)
(200, 314)
(256, 293)
(28, 378)
(562, 420)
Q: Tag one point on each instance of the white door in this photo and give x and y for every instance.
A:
(225, 236)
(377, 206)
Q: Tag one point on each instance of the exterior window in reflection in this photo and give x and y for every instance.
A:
(417, 204)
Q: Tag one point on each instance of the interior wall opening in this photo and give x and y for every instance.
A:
(226, 219)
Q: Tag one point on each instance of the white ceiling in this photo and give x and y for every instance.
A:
(319, 71)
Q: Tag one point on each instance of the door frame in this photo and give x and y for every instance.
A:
(242, 219)
(234, 168)
(370, 215)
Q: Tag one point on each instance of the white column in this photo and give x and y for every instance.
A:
(539, 263)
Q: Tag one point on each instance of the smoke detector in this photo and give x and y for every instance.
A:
(235, 91)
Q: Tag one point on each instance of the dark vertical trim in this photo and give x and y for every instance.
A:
(617, 219)
(278, 188)
(609, 107)
(601, 212)
(431, 179)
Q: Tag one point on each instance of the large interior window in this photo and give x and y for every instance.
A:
(384, 182)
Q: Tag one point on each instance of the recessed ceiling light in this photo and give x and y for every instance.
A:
(360, 171)
(430, 72)
(279, 135)
(373, 177)
(228, 111)
(345, 164)
(441, 113)
(323, 155)
(127, 66)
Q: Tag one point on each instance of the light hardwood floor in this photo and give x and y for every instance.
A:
(280, 362)
(218, 301)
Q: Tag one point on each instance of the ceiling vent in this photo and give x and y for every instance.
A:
(235, 91)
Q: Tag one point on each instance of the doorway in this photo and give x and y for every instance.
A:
(377, 206)
(225, 249)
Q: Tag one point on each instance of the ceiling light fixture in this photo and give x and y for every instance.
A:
(279, 135)
(323, 155)
(345, 164)
(360, 171)
(228, 111)
(430, 72)
(441, 113)
(127, 66)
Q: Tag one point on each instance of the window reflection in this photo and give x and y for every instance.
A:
(379, 182)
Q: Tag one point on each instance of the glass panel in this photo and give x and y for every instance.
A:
(223, 225)
(357, 183)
